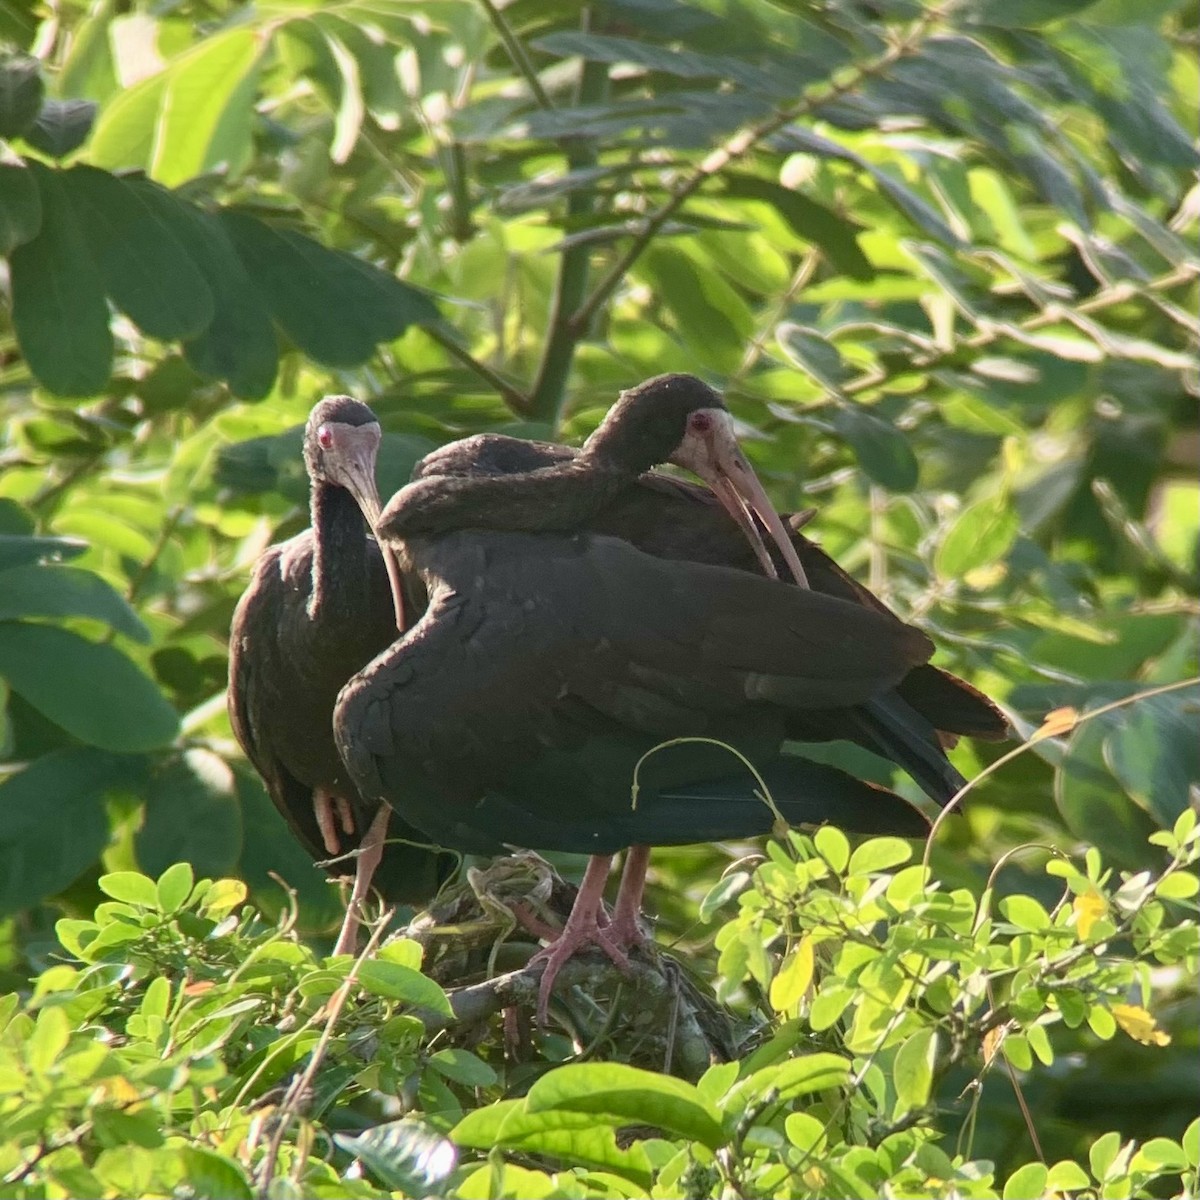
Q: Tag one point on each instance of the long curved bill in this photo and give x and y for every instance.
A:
(713, 453)
(352, 456)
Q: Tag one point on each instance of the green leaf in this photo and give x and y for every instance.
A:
(713, 320)
(684, 63)
(127, 129)
(130, 887)
(980, 535)
(1103, 1153)
(814, 354)
(882, 450)
(405, 1156)
(49, 1039)
(21, 91)
(239, 345)
(55, 591)
(174, 886)
(722, 892)
(335, 307)
(463, 1067)
(20, 207)
(1154, 753)
(1191, 1143)
(1027, 14)
(45, 846)
(208, 1173)
(879, 854)
(794, 977)
(61, 127)
(89, 689)
(574, 1137)
(784, 1082)
(836, 235)
(113, 1127)
(628, 1095)
(192, 816)
(833, 846)
(1094, 806)
(59, 310)
(1025, 913)
(207, 90)
(19, 550)
(913, 1070)
(1065, 1176)
(394, 982)
(1026, 1181)
(146, 271)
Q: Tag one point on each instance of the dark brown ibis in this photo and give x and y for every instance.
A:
(673, 518)
(319, 607)
(553, 659)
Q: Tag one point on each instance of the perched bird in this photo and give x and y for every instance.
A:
(319, 607)
(552, 660)
(675, 519)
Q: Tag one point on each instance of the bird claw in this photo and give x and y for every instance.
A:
(573, 938)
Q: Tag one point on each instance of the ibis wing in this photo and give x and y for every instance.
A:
(250, 694)
(533, 641)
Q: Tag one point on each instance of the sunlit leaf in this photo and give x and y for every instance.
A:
(1140, 1025)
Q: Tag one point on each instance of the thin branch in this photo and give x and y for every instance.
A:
(517, 53)
(737, 147)
(302, 1082)
(517, 400)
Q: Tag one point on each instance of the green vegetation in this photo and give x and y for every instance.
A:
(941, 258)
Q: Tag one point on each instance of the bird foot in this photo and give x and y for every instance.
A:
(578, 934)
(625, 931)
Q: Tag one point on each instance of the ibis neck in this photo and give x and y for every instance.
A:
(554, 499)
(339, 551)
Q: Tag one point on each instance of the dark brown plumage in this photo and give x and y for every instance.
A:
(318, 608)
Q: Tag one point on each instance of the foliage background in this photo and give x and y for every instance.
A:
(940, 258)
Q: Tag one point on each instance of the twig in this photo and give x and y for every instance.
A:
(957, 799)
(300, 1085)
(516, 52)
(517, 400)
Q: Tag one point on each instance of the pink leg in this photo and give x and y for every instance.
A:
(370, 851)
(625, 930)
(326, 807)
(582, 928)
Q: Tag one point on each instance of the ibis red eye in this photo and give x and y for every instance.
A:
(700, 422)
(324, 437)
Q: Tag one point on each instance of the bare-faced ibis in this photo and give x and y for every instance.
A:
(673, 518)
(319, 607)
(553, 659)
